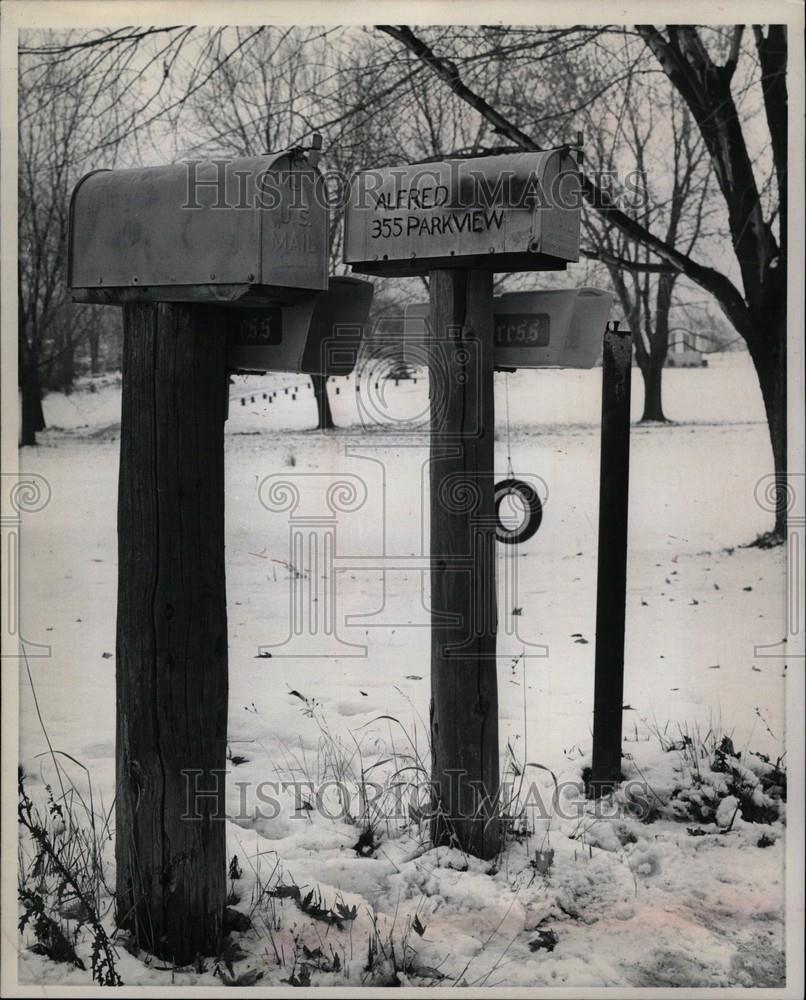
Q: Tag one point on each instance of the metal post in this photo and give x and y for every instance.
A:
(611, 583)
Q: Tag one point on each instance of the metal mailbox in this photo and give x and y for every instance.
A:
(560, 328)
(247, 231)
(319, 336)
(513, 212)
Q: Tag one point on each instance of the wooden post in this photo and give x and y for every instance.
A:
(171, 632)
(464, 706)
(611, 583)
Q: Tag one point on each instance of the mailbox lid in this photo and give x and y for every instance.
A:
(321, 335)
(503, 213)
(200, 229)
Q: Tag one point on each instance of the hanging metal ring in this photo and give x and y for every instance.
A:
(533, 507)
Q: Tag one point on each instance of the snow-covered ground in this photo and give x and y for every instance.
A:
(619, 902)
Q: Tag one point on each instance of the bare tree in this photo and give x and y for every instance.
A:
(265, 87)
(659, 131)
(275, 89)
(84, 96)
(52, 109)
(701, 64)
(71, 108)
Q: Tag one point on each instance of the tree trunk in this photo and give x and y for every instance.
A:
(652, 373)
(325, 417)
(94, 339)
(172, 632)
(464, 706)
(769, 359)
(32, 417)
(66, 361)
(653, 360)
(39, 413)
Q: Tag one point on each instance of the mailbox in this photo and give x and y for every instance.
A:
(319, 336)
(513, 212)
(560, 328)
(248, 231)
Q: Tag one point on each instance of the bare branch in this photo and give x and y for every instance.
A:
(723, 289)
(626, 264)
(735, 47)
(447, 71)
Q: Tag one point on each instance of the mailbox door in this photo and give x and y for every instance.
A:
(294, 228)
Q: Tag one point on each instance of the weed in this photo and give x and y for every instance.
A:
(713, 769)
(389, 955)
(64, 877)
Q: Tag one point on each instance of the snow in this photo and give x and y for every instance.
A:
(630, 903)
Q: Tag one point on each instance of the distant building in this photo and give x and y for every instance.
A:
(685, 358)
(686, 350)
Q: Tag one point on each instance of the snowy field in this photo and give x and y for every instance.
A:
(583, 900)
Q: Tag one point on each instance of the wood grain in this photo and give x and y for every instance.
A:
(171, 631)
(464, 708)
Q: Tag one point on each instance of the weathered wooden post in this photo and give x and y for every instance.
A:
(464, 687)
(611, 584)
(460, 221)
(210, 262)
(172, 631)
